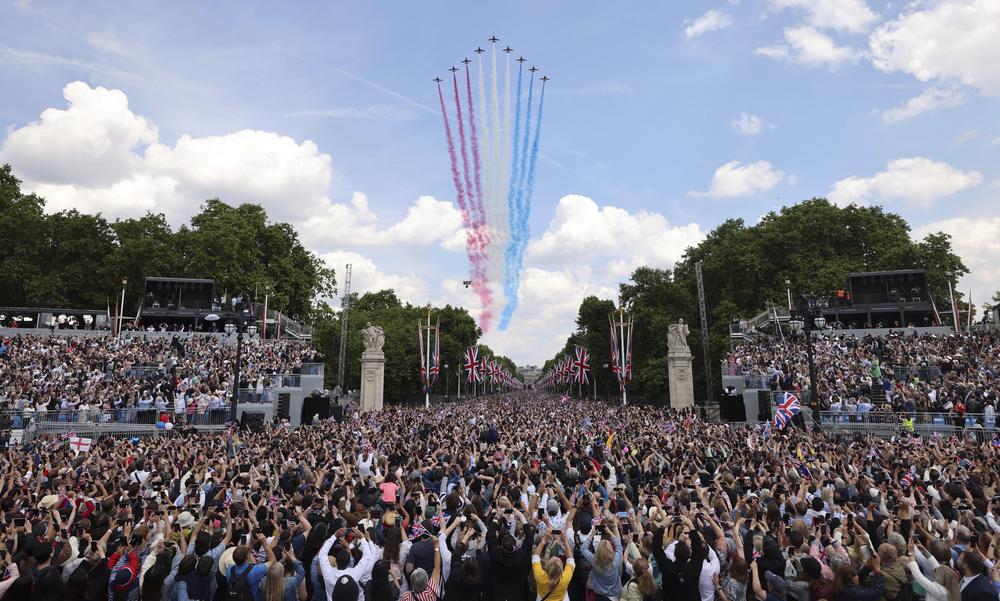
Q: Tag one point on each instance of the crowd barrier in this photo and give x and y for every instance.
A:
(982, 425)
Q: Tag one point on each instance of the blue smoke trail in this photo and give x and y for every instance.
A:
(512, 188)
(518, 224)
(508, 310)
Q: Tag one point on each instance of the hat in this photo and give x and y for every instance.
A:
(346, 589)
(48, 502)
(226, 561)
(185, 519)
(552, 506)
(775, 583)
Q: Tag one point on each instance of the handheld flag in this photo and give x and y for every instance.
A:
(786, 410)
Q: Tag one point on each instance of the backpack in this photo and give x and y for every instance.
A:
(905, 593)
(239, 587)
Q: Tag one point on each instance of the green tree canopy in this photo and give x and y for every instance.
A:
(71, 259)
(402, 353)
(815, 244)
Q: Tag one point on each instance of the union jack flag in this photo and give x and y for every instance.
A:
(483, 366)
(803, 471)
(786, 410)
(906, 480)
(436, 357)
(582, 365)
(471, 364)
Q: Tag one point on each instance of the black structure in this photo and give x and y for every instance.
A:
(243, 324)
(888, 299)
(808, 316)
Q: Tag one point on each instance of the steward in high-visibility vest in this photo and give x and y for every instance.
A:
(908, 424)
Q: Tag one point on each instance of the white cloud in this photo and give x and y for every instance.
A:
(366, 277)
(928, 100)
(918, 180)
(977, 241)
(712, 20)
(853, 16)
(89, 143)
(99, 156)
(748, 124)
(583, 232)
(950, 40)
(810, 47)
(736, 179)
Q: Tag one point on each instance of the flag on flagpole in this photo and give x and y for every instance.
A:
(436, 357)
(471, 365)
(972, 309)
(582, 365)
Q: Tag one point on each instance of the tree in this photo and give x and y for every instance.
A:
(815, 244)
(70, 259)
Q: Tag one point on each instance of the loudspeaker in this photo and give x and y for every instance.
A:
(764, 405)
(731, 408)
(252, 421)
(284, 398)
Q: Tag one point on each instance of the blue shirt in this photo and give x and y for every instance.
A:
(255, 578)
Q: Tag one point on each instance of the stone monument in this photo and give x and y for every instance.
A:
(679, 366)
(372, 369)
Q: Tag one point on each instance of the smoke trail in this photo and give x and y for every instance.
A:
(456, 178)
(464, 150)
(487, 143)
(477, 176)
(517, 218)
(471, 241)
(475, 235)
(512, 301)
(508, 262)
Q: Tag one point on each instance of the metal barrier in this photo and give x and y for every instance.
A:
(62, 420)
(924, 424)
(906, 373)
(288, 380)
(312, 369)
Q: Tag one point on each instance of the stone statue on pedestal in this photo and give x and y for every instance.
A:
(372, 369)
(677, 334)
(679, 366)
(374, 338)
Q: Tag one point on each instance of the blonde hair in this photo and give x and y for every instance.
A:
(604, 557)
(274, 582)
(643, 577)
(554, 568)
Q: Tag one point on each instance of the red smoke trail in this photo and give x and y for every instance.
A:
(474, 242)
(478, 209)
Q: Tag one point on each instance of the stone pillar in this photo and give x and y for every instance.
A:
(679, 370)
(372, 379)
(372, 369)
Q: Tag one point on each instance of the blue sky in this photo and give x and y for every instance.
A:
(664, 119)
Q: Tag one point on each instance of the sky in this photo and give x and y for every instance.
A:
(660, 122)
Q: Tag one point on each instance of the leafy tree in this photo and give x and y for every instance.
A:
(814, 244)
(69, 259)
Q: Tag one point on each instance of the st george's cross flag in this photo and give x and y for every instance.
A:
(787, 409)
(79, 444)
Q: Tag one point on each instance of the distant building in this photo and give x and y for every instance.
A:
(531, 373)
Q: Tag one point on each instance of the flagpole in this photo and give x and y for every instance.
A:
(954, 309)
(621, 358)
(427, 372)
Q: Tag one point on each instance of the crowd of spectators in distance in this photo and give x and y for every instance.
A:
(136, 378)
(956, 374)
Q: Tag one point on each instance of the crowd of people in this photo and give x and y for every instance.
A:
(521, 496)
(134, 377)
(955, 374)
